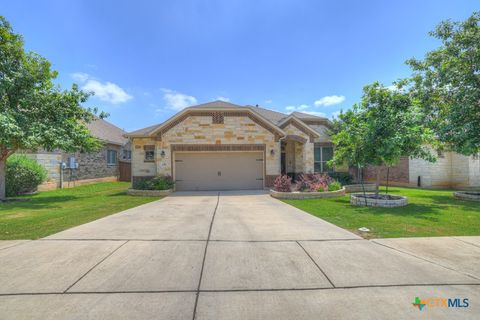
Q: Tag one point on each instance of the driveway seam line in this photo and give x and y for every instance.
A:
(200, 240)
(472, 244)
(323, 272)
(204, 257)
(242, 290)
(426, 260)
(16, 244)
(105, 258)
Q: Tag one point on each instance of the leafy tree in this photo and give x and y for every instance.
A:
(35, 113)
(386, 125)
(447, 84)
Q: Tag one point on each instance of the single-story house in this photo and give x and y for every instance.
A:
(221, 146)
(79, 167)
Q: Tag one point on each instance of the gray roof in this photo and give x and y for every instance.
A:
(306, 116)
(274, 117)
(107, 132)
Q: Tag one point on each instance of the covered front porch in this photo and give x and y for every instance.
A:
(299, 155)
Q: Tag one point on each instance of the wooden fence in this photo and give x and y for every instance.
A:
(125, 171)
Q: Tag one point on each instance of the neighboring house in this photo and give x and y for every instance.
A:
(101, 165)
(451, 170)
(223, 146)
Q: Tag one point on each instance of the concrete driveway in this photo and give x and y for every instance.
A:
(231, 255)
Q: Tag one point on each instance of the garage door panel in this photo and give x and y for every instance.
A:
(219, 170)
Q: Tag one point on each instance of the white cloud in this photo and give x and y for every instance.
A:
(79, 76)
(301, 107)
(177, 101)
(329, 100)
(108, 91)
(222, 99)
(268, 101)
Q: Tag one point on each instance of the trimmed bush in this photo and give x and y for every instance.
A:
(344, 178)
(283, 184)
(23, 175)
(157, 183)
(334, 186)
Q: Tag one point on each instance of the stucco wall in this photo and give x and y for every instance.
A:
(201, 130)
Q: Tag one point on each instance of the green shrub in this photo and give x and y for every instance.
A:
(334, 186)
(343, 177)
(157, 183)
(23, 175)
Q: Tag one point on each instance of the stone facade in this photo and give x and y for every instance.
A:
(200, 130)
(92, 165)
(51, 162)
(307, 195)
(303, 157)
(359, 200)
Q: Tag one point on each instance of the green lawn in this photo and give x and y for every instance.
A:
(429, 213)
(52, 211)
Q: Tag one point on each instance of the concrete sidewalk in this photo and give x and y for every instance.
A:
(231, 255)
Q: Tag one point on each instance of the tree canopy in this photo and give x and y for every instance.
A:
(447, 84)
(34, 112)
(386, 125)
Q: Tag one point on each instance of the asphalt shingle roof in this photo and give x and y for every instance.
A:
(107, 132)
(274, 117)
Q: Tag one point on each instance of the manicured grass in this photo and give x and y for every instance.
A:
(429, 213)
(52, 211)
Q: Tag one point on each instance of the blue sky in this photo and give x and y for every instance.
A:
(148, 59)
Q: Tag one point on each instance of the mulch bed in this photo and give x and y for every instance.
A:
(379, 197)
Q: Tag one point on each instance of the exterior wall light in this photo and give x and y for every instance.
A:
(272, 152)
(162, 153)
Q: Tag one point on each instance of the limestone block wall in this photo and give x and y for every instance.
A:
(299, 167)
(460, 170)
(304, 156)
(436, 174)
(140, 167)
(201, 130)
(451, 170)
(474, 172)
(51, 162)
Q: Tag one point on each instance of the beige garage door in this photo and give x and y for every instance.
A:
(218, 170)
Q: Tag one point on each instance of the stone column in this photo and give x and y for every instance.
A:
(308, 157)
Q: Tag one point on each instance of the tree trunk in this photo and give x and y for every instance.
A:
(379, 171)
(388, 173)
(2, 179)
(363, 186)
